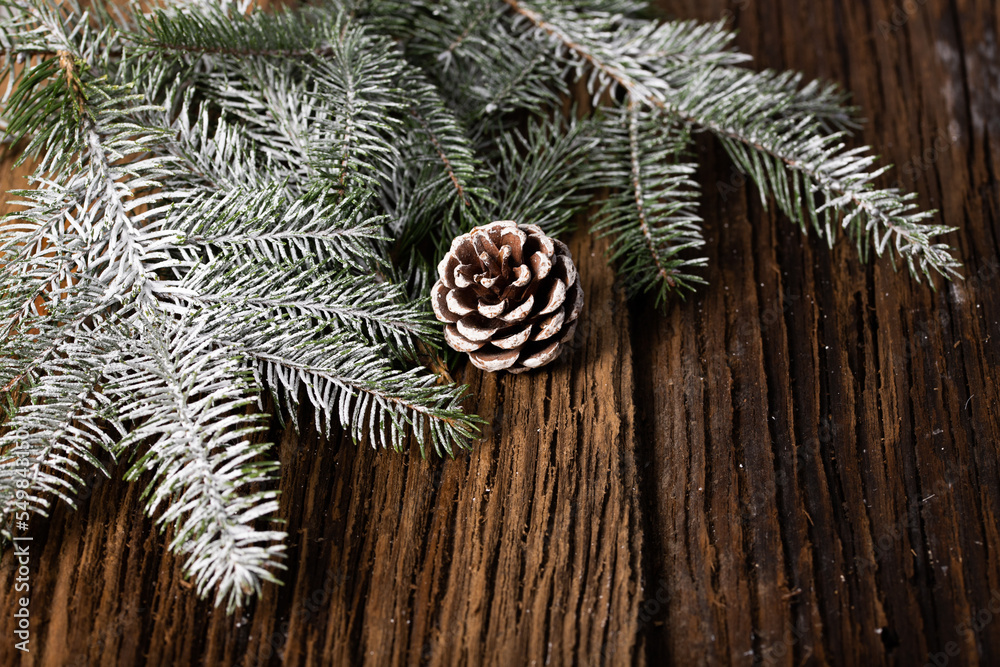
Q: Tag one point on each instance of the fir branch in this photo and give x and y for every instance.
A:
(771, 131)
(545, 174)
(479, 65)
(378, 312)
(348, 382)
(393, 402)
(363, 119)
(188, 396)
(264, 226)
(35, 340)
(113, 181)
(439, 149)
(437, 188)
(223, 160)
(335, 112)
(651, 214)
(813, 176)
(65, 425)
(619, 51)
(208, 29)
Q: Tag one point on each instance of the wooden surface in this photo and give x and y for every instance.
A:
(798, 465)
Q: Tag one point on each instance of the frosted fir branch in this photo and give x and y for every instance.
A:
(212, 154)
(616, 51)
(98, 203)
(348, 382)
(680, 219)
(437, 188)
(771, 130)
(652, 213)
(37, 276)
(812, 176)
(64, 426)
(436, 124)
(266, 226)
(477, 62)
(208, 29)
(547, 173)
(272, 114)
(188, 396)
(62, 321)
(446, 162)
(378, 312)
(363, 119)
(330, 116)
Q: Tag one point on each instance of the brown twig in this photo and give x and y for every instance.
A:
(68, 66)
(440, 151)
(637, 187)
(433, 362)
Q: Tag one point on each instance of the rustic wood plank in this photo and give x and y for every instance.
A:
(823, 482)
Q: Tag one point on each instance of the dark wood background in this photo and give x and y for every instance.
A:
(797, 465)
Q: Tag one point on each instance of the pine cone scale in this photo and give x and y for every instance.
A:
(550, 326)
(458, 342)
(492, 311)
(509, 296)
(513, 341)
(519, 313)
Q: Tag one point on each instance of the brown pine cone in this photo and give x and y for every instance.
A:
(509, 295)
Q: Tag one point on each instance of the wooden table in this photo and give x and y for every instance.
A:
(799, 464)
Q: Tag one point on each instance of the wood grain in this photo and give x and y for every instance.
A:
(799, 464)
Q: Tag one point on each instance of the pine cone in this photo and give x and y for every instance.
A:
(509, 295)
